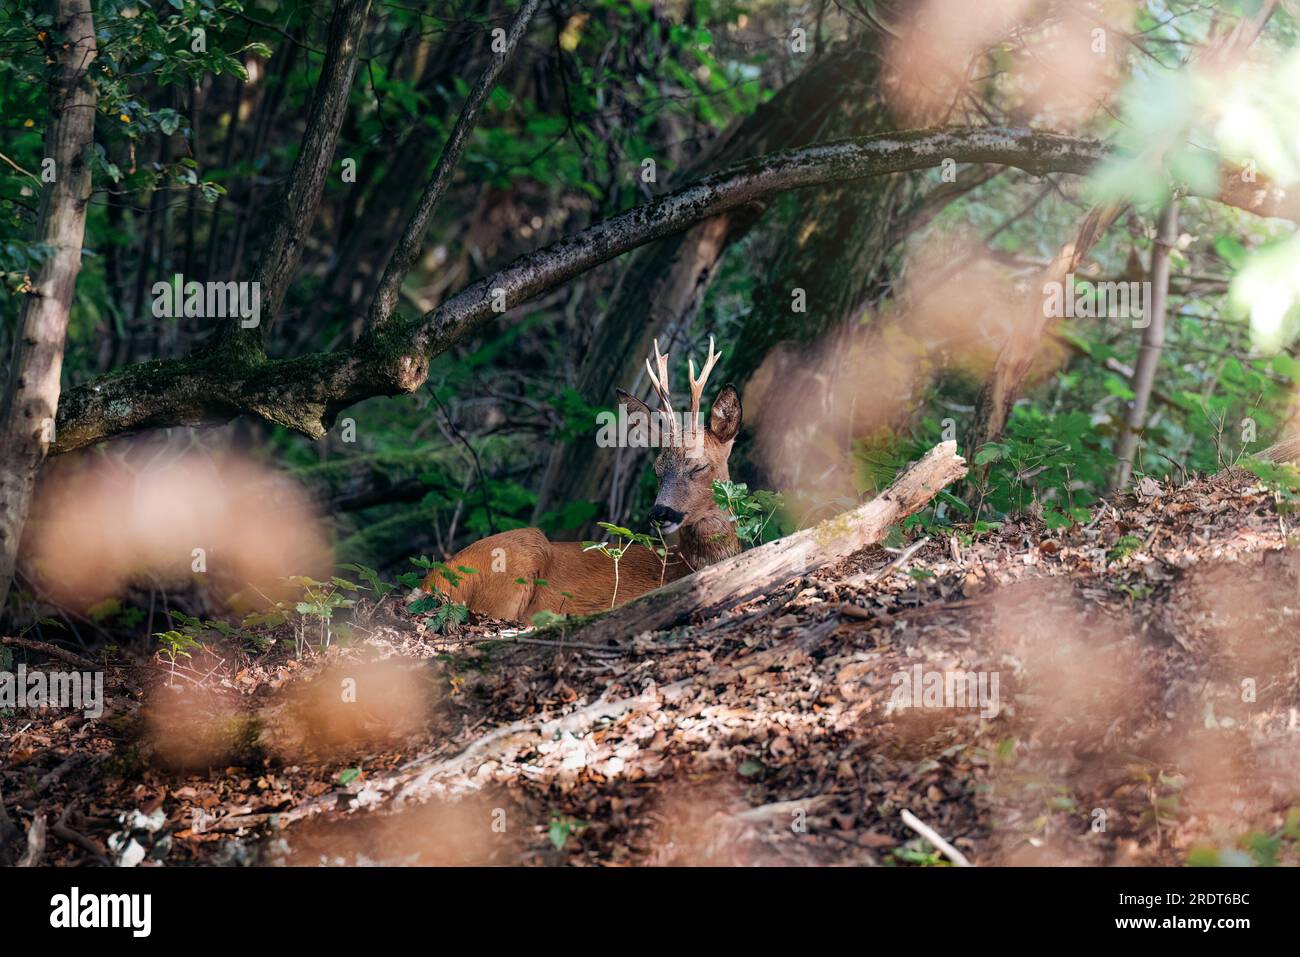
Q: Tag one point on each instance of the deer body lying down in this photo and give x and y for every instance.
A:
(519, 573)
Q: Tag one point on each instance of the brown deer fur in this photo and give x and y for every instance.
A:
(561, 577)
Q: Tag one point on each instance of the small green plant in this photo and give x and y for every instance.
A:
(914, 852)
(199, 628)
(452, 575)
(320, 600)
(381, 588)
(546, 618)
(444, 614)
(1254, 848)
(1054, 461)
(448, 616)
(625, 538)
(753, 512)
(1123, 548)
(176, 644)
(563, 827)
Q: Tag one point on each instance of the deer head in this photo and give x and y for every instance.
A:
(691, 458)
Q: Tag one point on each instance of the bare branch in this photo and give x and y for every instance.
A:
(745, 183)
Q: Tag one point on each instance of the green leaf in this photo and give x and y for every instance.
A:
(424, 604)
(1231, 249)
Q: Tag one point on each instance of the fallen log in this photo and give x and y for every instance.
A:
(717, 588)
(1283, 452)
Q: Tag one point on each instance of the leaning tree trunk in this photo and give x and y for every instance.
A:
(659, 295)
(32, 394)
(1153, 343)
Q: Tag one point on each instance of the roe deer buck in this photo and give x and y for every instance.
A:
(562, 576)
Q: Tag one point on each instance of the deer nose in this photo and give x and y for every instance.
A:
(665, 516)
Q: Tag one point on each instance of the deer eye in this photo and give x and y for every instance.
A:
(699, 470)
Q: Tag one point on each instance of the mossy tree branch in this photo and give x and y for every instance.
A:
(306, 393)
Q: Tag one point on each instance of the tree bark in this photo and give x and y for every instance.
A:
(32, 395)
(1285, 451)
(750, 574)
(1153, 342)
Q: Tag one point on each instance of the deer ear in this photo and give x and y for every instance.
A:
(724, 417)
(633, 403)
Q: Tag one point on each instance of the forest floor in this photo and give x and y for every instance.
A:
(1148, 672)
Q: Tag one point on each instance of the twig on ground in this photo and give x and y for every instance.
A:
(931, 835)
(74, 760)
(54, 651)
(880, 574)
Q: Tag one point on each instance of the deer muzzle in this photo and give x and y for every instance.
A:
(668, 519)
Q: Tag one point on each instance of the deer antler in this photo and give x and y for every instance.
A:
(697, 385)
(660, 384)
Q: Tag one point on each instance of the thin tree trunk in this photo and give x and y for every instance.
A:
(369, 233)
(412, 239)
(263, 108)
(212, 260)
(1153, 341)
(139, 344)
(32, 395)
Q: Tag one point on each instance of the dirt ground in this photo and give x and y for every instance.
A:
(1145, 713)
